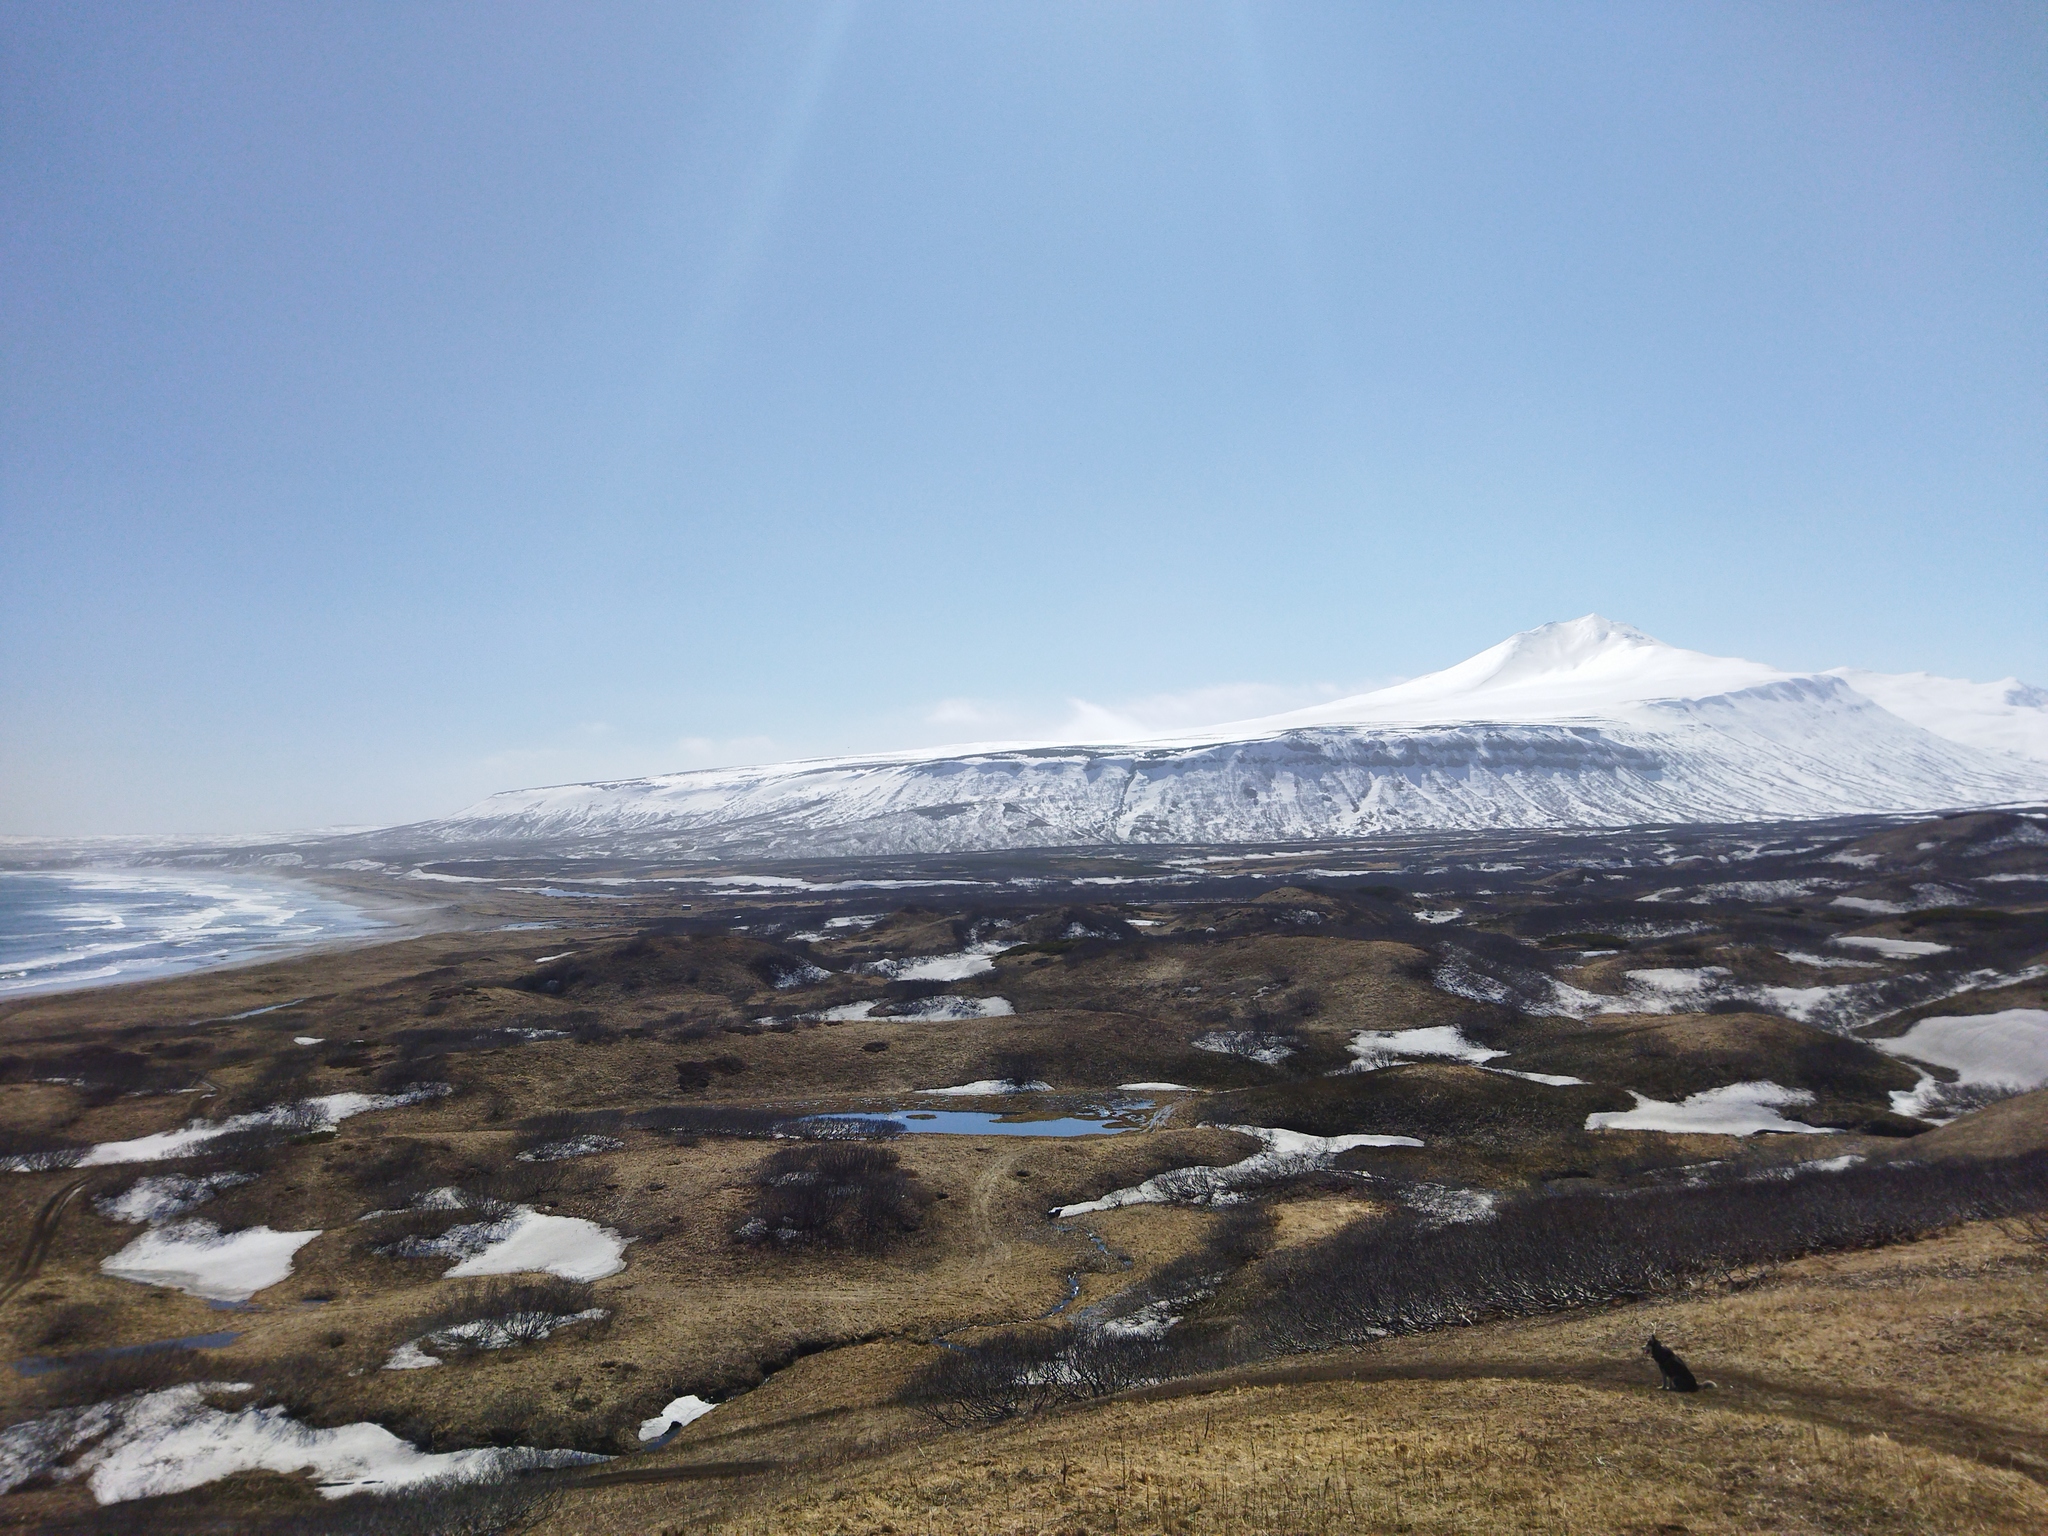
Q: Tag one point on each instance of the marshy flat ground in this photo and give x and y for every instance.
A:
(652, 1052)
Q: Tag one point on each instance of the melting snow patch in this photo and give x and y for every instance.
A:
(1668, 990)
(577, 1146)
(1548, 1079)
(1992, 1055)
(1895, 949)
(309, 1039)
(987, 1088)
(683, 1410)
(196, 1257)
(487, 1333)
(158, 1197)
(1267, 1050)
(1284, 1155)
(1800, 957)
(1739, 1109)
(521, 1242)
(164, 1442)
(1443, 1206)
(1440, 915)
(949, 1006)
(975, 961)
(1871, 904)
(1376, 1048)
(321, 1114)
(1155, 1088)
(445, 1198)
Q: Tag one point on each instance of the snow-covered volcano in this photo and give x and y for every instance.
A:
(1582, 723)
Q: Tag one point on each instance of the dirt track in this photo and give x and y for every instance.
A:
(36, 1246)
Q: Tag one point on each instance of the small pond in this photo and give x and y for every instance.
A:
(1109, 1121)
(42, 1365)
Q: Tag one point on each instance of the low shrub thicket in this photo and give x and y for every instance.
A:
(1542, 1253)
(833, 1197)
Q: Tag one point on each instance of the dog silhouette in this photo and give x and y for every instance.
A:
(1677, 1377)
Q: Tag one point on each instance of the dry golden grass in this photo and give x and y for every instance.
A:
(1892, 1391)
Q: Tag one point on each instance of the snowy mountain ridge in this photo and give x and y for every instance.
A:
(1580, 723)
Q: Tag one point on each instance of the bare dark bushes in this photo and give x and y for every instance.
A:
(1548, 1253)
(833, 1196)
(522, 1310)
(1542, 1253)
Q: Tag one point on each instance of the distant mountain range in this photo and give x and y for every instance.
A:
(1583, 723)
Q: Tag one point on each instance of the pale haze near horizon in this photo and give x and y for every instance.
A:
(406, 403)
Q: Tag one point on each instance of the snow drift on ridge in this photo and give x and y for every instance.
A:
(1582, 723)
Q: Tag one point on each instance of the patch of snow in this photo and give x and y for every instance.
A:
(487, 1333)
(1285, 1154)
(975, 960)
(309, 1039)
(1738, 1109)
(681, 1411)
(1151, 1321)
(1675, 988)
(321, 1114)
(950, 1006)
(1995, 1054)
(805, 975)
(1372, 1049)
(1443, 1205)
(1759, 890)
(851, 920)
(1897, 949)
(2008, 879)
(988, 1087)
(1871, 904)
(521, 1242)
(1829, 1164)
(1155, 1088)
(845, 1013)
(157, 1443)
(1439, 914)
(564, 955)
(158, 1197)
(1267, 1050)
(576, 1146)
(1548, 1079)
(1800, 957)
(196, 1257)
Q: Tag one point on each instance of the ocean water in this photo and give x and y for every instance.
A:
(66, 929)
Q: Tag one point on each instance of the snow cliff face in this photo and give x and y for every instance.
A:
(1587, 723)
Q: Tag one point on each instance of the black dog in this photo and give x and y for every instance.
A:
(1677, 1378)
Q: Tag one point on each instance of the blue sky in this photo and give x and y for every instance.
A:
(404, 402)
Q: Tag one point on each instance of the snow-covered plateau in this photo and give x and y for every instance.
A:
(1584, 723)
